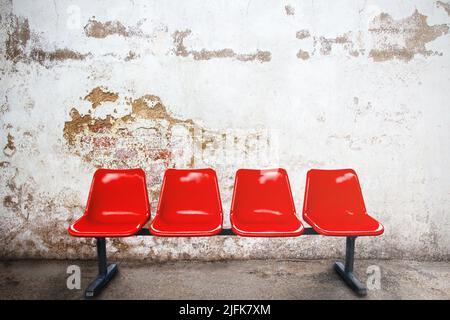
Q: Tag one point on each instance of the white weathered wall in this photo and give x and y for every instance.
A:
(225, 84)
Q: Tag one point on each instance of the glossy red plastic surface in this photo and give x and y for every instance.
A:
(262, 204)
(334, 204)
(189, 204)
(117, 205)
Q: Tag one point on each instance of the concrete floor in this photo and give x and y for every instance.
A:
(249, 279)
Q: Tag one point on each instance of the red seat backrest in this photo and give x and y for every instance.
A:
(120, 193)
(265, 190)
(333, 190)
(190, 190)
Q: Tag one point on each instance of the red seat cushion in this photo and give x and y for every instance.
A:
(334, 204)
(189, 204)
(262, 204)
(117, 205)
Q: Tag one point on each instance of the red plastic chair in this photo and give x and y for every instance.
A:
(117, 205)
(334, 204)
(189, 204)
(262, 204)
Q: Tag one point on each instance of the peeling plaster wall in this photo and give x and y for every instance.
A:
(224, 84)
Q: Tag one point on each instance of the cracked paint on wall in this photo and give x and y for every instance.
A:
(97, 29)
(392, 39)
(326, 44)
(302, 34)
(404, 38)
(9, 148)
(17, 39)
(22, 45)
(350, 43)
(98, 96)
(205, 54)
(304, 55)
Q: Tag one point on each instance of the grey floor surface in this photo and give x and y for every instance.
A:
(246, 279)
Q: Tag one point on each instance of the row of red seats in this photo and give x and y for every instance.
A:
(190, 205)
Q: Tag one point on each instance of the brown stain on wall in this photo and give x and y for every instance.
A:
(204, 54)
(18, 36)
(443, 5)
(392, 39)
(101, 30)
(178, 41)
(151, 107)
(147, 107)
(75, 126)
(9, 148)
(302, 34)
(97, 29)
(131, 56)
(4, 164)
(209, 54)
(403, 39)
(344, 40)
(290, 11)
(19, 198)
(304, 55)
(22, 45)
(42, 56)
(261, 56)
(97, 96)
(324, 46)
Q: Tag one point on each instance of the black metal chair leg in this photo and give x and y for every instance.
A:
(346, 271)
(105, 271)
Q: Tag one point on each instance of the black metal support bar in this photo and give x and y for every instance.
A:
(346, 270)
(224, 232)
(310, 231)
(101, 255)
(349, 253)
(105, 272)
(143, 232)
(227, 232)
